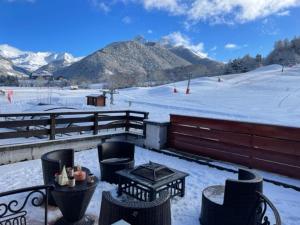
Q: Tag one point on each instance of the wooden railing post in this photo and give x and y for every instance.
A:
(127, 121)
(52, 126)
(146, 116)
(96, 114)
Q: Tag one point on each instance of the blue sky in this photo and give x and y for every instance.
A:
(222, 29)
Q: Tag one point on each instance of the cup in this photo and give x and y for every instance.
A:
(70, 172)
(78, 168)
(56, 177)
(72, 182)
(90, 178)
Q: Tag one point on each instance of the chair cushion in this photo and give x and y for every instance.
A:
(215, 194)
(115, 160)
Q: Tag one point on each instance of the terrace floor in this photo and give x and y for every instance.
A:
(185, 211)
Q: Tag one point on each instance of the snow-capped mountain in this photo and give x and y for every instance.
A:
(31, 61)
(8, 69)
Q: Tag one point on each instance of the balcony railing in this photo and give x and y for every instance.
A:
(51, 124)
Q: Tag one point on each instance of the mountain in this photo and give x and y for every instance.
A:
(60, 62)
(7, 68)
(186, 54)
(31, 61)
(192, 57)
(127, 58)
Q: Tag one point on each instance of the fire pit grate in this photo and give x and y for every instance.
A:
(147, 181)
(153, 171)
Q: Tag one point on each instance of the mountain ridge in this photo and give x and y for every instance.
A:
(126, 57)
(32, 61)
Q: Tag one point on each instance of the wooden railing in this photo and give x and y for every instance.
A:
(267, 147)
(37, 124)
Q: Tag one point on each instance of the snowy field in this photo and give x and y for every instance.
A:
(265, 95)
(185, 211)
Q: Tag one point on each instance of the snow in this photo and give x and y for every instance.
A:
(185, 210)
(9, 51)
(265, 95)
(33, 60)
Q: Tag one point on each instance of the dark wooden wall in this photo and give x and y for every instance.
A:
(267, 147)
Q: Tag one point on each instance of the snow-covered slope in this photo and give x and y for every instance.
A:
(265, 95)
(8, 69)
(31, 61)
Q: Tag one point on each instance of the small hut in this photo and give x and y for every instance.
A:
(96, 100)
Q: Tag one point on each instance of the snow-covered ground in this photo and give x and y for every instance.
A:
(264, 95)
(185, 211)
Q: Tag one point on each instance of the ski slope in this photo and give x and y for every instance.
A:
(265, 95)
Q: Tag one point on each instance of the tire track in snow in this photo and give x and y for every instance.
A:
(287, 96)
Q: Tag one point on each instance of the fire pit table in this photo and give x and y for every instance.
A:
(147, 181)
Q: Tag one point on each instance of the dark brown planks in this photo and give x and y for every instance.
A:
(223, 136)
(270, 147)
(52, 123)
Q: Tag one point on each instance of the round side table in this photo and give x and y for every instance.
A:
(73, 201)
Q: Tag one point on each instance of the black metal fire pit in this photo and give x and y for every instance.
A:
(153, 172)
(147, 181)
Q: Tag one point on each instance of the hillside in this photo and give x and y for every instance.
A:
(129, 57)
(7, 68)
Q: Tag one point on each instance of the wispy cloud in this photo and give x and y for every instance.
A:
(172, 6)
(283, 13)
(220, 11)
(237, 11)
(178, 39)
(211, 11)
(231, 46)
(100, 5)
(213, 49)
(149, 31)
(269, 27)
(126, 20)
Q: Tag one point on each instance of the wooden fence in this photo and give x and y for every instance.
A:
(37, 124)
(267, 147)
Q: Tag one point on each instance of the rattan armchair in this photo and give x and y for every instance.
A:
(114, 156)
(157, 212)
(232, 204)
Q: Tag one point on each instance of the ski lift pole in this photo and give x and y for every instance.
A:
(175, 89)
(112, 96)
(188, 86)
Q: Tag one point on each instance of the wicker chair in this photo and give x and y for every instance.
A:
(232, 204)
(114, 156)
(53, 162)
(157, 212)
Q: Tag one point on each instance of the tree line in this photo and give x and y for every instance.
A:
(286, 53)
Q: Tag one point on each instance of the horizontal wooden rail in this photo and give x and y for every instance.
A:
(40, 124)
(269, 147)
